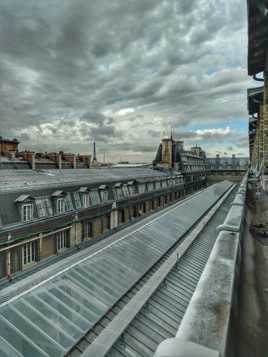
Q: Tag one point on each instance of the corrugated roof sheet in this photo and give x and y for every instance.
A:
(50, 318)
(163, 313)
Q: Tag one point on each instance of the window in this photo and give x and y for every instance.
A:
(27, 212)
(29, 252)
(135, 211)
(105, 223)
(60, 205)
(164, 184)
(125, 191)
(86, 200)
(142, 188)
(123, 217)
(157, 185)
(118, 193)
(94, 197)
(104, 195)
(68, 202)
(150, 186)
(88, 231)
(144, 207)
(77, 200)
(108, 222)
(62, 238)
(132, 190)
(48, 206)
(41, 207)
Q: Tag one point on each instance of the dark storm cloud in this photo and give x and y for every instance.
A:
(63, 64)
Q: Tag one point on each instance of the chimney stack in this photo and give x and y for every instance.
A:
(33, 161)
(59, 160)
(74, 162)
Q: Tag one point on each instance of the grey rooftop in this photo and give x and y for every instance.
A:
(49, 318)
(25, 179)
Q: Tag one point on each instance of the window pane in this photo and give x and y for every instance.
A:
(68, 202)
(94, 196)
(48, 206)
(104, 195)
(77, 200)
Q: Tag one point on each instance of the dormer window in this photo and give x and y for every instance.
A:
(85, 197)
(86, 200)
(150, 186)
(94, 197)
(157, 185)
(68, 202)
(26, 207)
(142, 188)
(118, 191)
(27, 212)
(131, 188)
(125, 190)
(164, 183)
(60, 205)
(77, 200)
(103, 189)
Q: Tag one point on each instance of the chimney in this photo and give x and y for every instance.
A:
(59, 160)
(33, 161)
(74, 162)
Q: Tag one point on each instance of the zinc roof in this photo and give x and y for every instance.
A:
(23, 179)
(50, 318)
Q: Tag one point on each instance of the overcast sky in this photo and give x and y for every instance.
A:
(124, 72)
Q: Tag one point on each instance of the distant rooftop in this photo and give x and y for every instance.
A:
(23, 179)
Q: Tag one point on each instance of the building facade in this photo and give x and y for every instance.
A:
(12, 158)
(46, 214)
(227, 163)
(172, 155)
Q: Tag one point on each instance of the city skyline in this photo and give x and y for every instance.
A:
(124, 73)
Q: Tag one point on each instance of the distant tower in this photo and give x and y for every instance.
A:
(94, 160)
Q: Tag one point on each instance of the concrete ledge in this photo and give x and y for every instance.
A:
(207, 318)
(233, 220)
(176, 347)
(205, 325)
(239, 200)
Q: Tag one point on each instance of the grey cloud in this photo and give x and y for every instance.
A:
(138, 148)
(103, 133)
(71, 60)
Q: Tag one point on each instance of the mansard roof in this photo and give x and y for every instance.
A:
(22, 180)
(24, 183)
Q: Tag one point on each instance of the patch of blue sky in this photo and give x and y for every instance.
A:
(237, 124)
